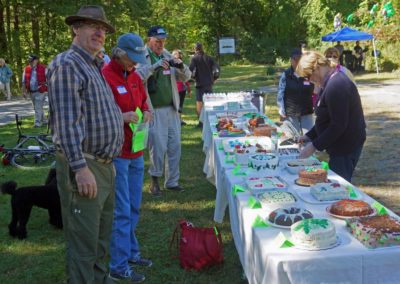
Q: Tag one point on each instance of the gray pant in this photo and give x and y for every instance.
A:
(87, 222)
(302, 123)
(38, 101)
(165, 145)
(5, 88)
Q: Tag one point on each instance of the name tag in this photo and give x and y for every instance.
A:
(167, 72)
(121, 90)
(306, 83)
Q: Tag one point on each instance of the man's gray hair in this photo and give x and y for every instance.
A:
(118, 52)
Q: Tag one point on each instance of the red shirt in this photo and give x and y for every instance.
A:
(129, 94)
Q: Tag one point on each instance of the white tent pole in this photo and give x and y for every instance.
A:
(376, 59)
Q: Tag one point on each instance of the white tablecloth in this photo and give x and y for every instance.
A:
(264, 262)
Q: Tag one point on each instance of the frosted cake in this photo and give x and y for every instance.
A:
(260, 162)
(276, 198)
(288, 216)
(314, 233)
(375, 231)
(259, 184)
(329, 191)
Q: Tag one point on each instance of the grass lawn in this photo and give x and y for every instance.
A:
(40, 258)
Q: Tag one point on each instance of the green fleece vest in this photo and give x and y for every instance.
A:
(162, 96)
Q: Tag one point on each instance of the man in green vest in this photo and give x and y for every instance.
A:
(160, 76)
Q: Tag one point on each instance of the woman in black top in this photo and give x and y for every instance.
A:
(340, 126)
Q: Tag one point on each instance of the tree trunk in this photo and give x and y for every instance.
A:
(3, 37)
(36, 31)
(10, 52)
(17, 43)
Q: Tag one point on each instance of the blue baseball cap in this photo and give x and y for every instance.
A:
(157, 31)
(133, 45)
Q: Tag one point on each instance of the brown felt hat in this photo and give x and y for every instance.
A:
(91, 13)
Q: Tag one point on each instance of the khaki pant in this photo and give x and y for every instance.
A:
(87, 222)
(38, 102)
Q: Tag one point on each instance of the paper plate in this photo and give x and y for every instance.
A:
(338, 242)
(328, 210)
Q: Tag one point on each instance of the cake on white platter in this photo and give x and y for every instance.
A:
(287, 216)
(276, 199)
(243, 152)
(314, 233)
(260, 184)
(294, 166)
(329, 191)
(260, 162)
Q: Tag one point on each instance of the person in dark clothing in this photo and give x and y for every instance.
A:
(359, 56)
(340, 126)
(295, 97)
(205, 71)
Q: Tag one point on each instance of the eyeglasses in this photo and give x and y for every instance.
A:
(96, 27)
(332, 56)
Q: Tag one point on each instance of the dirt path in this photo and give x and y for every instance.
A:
(378, 171)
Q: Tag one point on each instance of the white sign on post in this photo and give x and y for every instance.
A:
(227, 45)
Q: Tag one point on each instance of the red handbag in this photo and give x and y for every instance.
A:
(198, 247)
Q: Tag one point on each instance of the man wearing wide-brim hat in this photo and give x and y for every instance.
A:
(87, 128)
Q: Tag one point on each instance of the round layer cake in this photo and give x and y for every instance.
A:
(348, 207)
(313, 233)
(267, 161)
(288, 216)
(311, 175)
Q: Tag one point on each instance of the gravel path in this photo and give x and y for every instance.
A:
(378, 171)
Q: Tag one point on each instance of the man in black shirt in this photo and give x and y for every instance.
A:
(205, 71)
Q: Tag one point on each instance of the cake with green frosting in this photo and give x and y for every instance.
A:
(313, 233)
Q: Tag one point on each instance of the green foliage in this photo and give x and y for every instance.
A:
(265, 30)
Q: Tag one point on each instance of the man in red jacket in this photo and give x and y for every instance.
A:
(129, 93)
(34, 83)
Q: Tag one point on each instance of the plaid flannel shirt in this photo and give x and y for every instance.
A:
(83, 114)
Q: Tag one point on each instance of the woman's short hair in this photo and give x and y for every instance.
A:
(179, 52)
(117, 52)
(309, 62)
(332, 51)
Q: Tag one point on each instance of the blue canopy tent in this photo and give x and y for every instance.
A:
(348, 34)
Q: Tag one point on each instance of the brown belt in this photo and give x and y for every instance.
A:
(98, 159)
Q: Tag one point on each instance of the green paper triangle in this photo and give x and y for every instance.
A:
(259, 223)
(352, 193)
(253, 203)
(287, 244)
(237, 171)
(381, 210)
(215, 133)
(220, 146)
(237, 188)
(229, 159)
(325, 165)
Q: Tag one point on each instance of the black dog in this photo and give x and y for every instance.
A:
(44, 196)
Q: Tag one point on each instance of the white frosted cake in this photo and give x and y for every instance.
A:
(260, 184)
(260, 162)
(314, 233)
(294, 166)
(288, 153)
(329, 191)
(276, 198)
(243, 152)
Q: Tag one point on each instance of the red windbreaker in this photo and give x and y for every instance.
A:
(129, 93)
